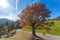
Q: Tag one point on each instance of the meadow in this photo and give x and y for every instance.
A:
(55, 29)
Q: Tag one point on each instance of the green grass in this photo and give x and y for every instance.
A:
(55, 29)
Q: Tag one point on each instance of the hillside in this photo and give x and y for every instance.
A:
(55, 29)
(3, 20)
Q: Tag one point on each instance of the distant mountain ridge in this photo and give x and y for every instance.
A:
(4, 20)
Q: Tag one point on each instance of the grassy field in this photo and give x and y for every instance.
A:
(55, 29)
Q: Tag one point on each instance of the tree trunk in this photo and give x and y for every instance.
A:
(33, 31)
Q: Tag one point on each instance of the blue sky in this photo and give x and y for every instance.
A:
(53, 5)
(9, 9)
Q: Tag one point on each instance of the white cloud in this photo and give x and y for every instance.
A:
(8, 9)
(11, 16)
(17, 4)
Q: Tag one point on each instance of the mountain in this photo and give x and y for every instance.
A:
(3, 20)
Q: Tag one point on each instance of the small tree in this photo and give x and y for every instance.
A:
(12, 25)
(36, 14)
(18, 26)
(6, 27)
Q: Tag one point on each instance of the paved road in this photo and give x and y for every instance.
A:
(49, 37)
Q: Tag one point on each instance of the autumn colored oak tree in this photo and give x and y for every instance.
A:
(34, 15)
